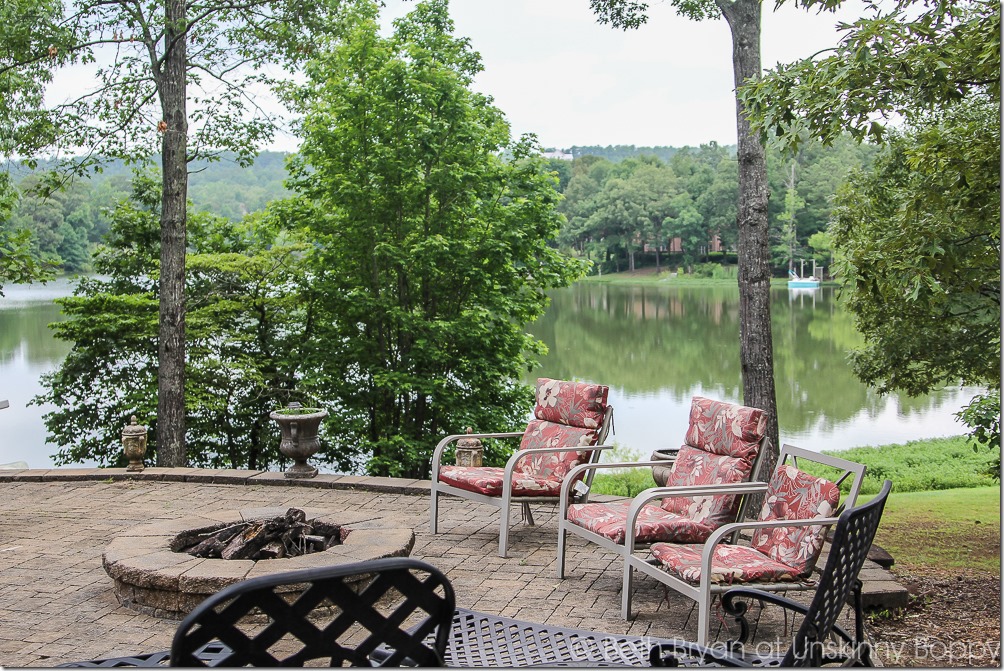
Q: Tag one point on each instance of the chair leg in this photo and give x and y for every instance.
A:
(626, 590)
(434, 512)
(504, 528)
(703, 620)
(561, 549)
(527, 514)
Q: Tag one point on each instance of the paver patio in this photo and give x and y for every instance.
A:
(57, 604)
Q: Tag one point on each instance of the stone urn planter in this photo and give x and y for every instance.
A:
(299, 437)
(660, 473)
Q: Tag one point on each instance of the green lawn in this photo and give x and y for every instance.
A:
(951, 528)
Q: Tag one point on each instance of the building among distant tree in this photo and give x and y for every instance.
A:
(557, 153)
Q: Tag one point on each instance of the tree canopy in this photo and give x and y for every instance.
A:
(249, 308)
(431, 229)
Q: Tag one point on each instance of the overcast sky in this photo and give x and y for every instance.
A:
(554, 71)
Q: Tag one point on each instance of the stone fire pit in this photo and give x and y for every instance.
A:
(150, 578)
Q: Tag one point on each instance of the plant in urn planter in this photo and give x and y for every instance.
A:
(299, 437)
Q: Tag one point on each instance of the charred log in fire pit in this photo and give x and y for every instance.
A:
(291, 535)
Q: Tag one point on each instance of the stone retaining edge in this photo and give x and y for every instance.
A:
(379, 484)
(221, 476)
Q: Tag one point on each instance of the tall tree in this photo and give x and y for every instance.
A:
(152, 59)
(432, 230)
(756, 349)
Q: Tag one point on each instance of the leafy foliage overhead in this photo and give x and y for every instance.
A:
(898, 62)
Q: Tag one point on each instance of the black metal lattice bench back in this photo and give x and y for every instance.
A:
(403, 606)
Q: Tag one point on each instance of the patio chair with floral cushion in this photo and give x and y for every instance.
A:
(818, 641)
(781, 551)
(571, 421)
(704, 489)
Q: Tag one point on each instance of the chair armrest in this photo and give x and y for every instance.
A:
(571, 476)
(643, 498)
(726, 529)
(437, 454)
(738, 610)
(520, 454)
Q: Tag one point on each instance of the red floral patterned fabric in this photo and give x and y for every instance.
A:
(571, 403)
(726, 428)
(791, 495)
(781, 554)
(697, 467)
(488, 480)
(654, 523)
(730, 564)
(554, 465)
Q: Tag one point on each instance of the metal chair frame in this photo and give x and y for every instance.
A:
(852, 538)
(505, 500)
(703, 592)
(630, 544)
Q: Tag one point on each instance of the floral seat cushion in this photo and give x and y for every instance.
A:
(578, 404)
(697, 467)
(730, 564)
(654, 523)
(776, 554)
(487, 480)
(723, 440)
(726, 428)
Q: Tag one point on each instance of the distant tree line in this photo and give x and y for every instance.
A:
(643, 211)
(618, 152)
(68, 223)
(626, 207)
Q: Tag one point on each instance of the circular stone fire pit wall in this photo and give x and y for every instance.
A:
(150, 578)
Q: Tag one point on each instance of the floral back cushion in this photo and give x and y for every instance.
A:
(697, 467)
(793, 494)
(573, 403)
(726, 428)
(540, 433)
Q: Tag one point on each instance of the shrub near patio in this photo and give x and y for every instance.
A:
(923, 465)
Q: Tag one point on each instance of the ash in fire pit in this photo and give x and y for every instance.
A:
(290, 535)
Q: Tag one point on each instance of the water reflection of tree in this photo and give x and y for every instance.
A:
(674, 340)
(25, 328)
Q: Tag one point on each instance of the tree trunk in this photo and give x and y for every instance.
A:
(171, 347)
(756, 351)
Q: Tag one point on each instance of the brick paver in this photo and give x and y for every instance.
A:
(57, 605)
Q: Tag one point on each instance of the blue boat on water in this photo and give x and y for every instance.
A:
(796, 282)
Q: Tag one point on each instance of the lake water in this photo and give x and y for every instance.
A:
(658, 346)
(655, 347)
